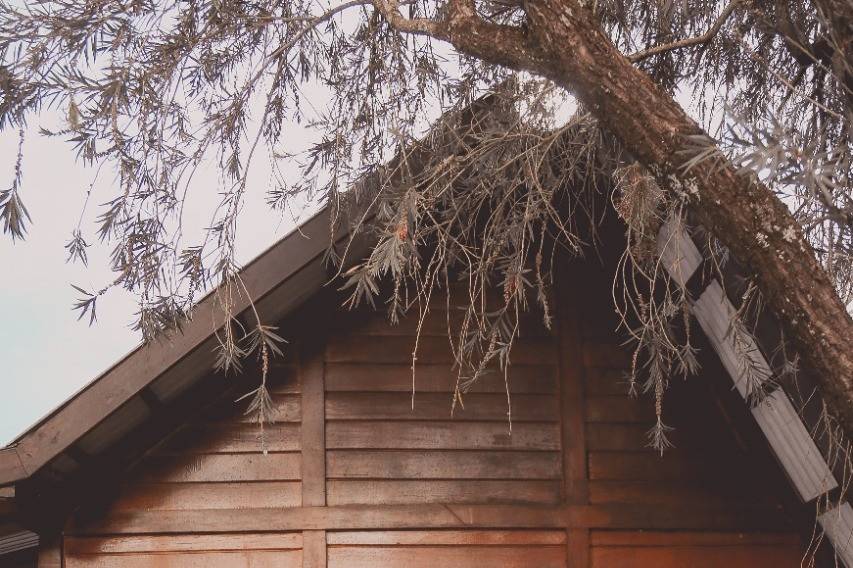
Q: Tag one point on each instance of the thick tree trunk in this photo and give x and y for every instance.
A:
(565, 43)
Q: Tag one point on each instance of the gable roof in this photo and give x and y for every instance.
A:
(283, 277)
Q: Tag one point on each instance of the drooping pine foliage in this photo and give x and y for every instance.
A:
(155, 89)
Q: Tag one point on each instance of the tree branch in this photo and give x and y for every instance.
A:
(390, 10)
(563, 41)
(462, 27)
(691, 41)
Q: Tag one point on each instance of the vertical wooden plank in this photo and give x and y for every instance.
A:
(50, 553)
(577, 548)
(313, 430)
(572, 415)
(313, 549)
(312, 370)
(572, 418)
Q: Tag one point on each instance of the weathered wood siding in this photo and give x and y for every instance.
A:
(358, 473)
(217, 460)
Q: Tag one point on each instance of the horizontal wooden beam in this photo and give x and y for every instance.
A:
(389, 517)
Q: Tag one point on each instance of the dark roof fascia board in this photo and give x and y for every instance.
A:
(11, 467)
(96, 401)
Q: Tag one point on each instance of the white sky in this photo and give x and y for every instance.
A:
(47, 355)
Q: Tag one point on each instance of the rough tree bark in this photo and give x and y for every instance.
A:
(563, 42)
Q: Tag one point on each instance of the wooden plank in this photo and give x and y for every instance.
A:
(678, 254)
(436, 516)
(606, 355)
(606, 382)
(523, 379)
(697, 557)
(447, 538)
(446, 557)
(837, 523)
(11, 466)
(397, 492)
(572, 411)
(619, 409)
(776, 416)
(232, 438)
(228, 559)
(432, 350)
(435, 324)
(444, 435)
(284, 376)
(435, 406)
(684, 492)
(620, 437)
(314, 550)
(313, 432)
(373, 464)
(715, 314)
(793, 445)
(189, 496)
(633, 437)
(354, 517)
(223, 467)
(286, 408)
(50, 553)
(192, 542)
(632, 465)
(578, 549)
(690, 538)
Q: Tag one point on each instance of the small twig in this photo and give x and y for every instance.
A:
(691, 41)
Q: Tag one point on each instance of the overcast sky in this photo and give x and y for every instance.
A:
(47, 355)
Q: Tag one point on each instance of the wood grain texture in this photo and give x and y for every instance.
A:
(286, 408)
(202, 495)
(314, 549)
(619, 409)
(708, 538)
(606, 355)
(184, 543)
(692, 492)
(446, 557)
(443, 435)
(572, 409)
(435, 406)
(696, 556)
(718, 517)
(223, 467)
(429, 377)
(463, 491)
(433, 350)
(652, 467)
(193, 551)
(373, 464)
(313, 432)
(222, 438)
(50, 553)
(578, 551)
(226, 559)
(447, 538)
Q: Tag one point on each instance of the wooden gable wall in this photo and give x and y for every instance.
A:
(355, 476)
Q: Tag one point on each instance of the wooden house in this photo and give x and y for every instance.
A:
(154, 465)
